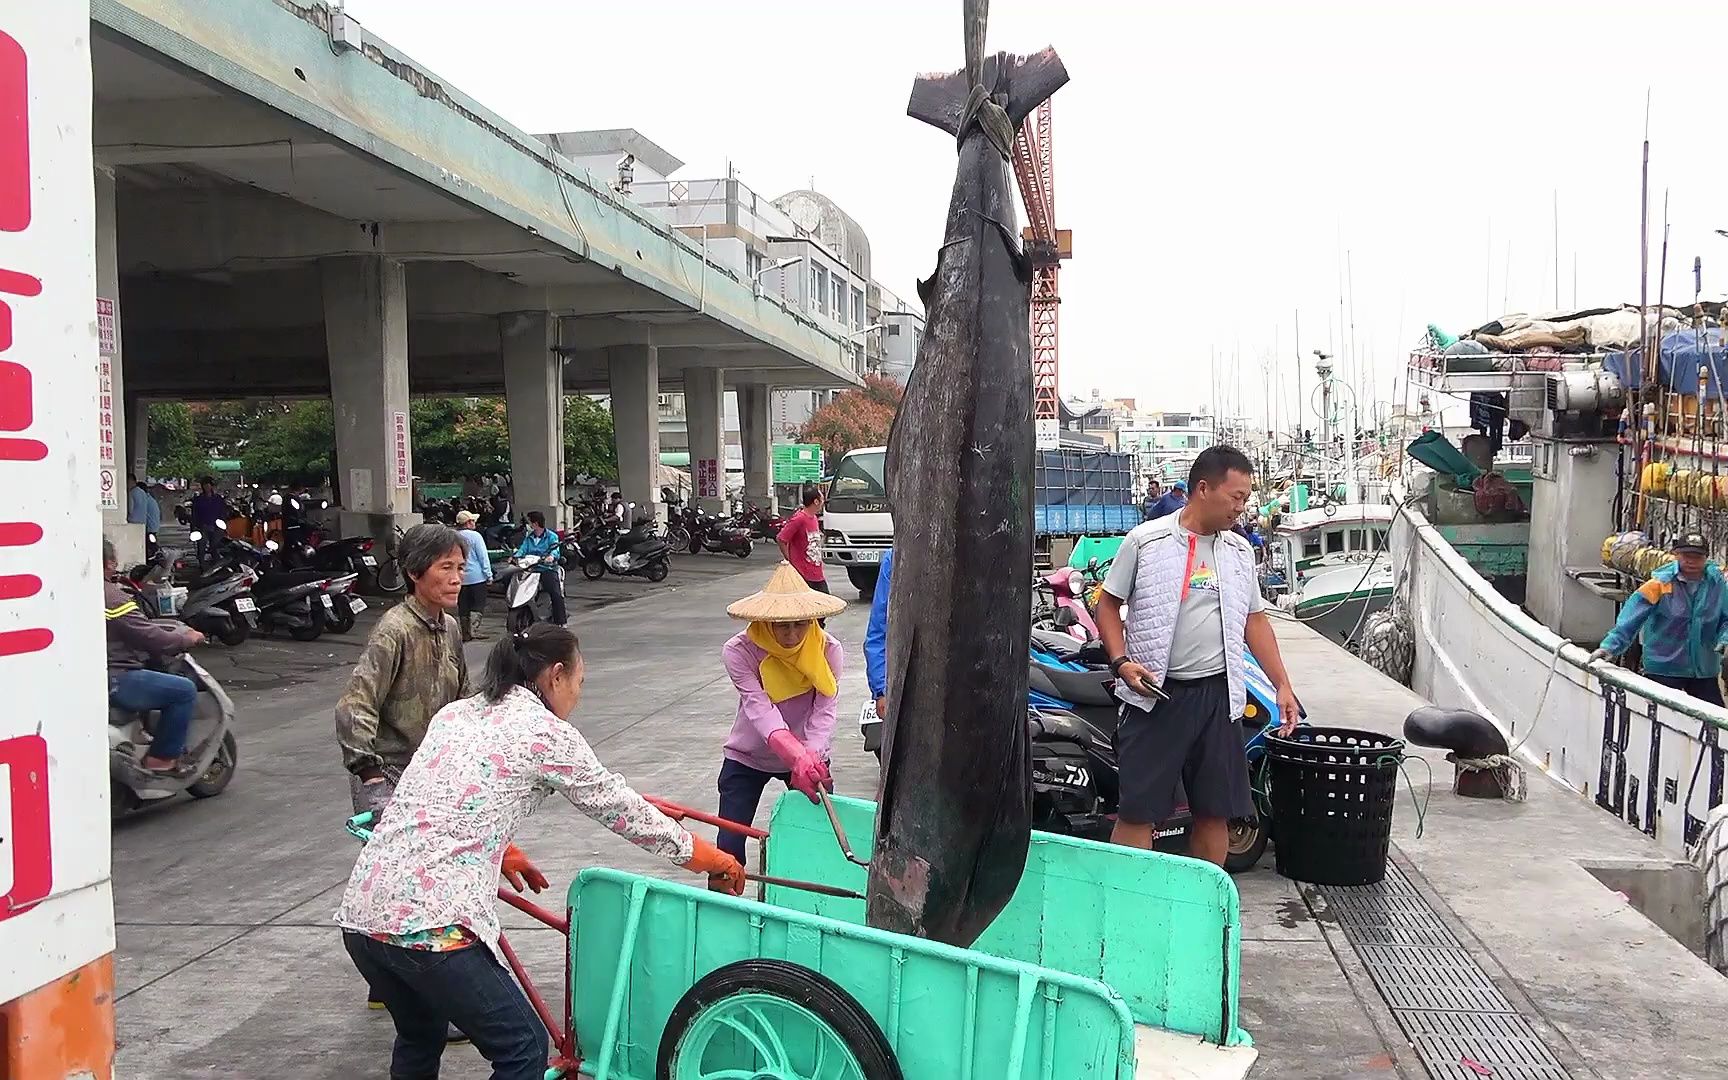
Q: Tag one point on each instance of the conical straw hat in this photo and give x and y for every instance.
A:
(786, 598)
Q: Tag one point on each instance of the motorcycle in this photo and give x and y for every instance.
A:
(761, 524)
(709, 533)
(636, 552)
(338, 605)
(524, 587)
(287, 599)
(1072, 599)
(218, 601)
(1076, 785)
(214, 751)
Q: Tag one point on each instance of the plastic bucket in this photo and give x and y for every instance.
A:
(1332, 791)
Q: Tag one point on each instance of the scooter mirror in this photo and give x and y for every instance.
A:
(324, 504)
(271, 545)
(150, 537)
(223, 525)
(195, 536)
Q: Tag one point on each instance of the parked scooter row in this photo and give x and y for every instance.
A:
(244, 588)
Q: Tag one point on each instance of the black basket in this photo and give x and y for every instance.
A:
(1332, 794)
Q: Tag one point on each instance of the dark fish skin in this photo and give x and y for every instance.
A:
(954, 816)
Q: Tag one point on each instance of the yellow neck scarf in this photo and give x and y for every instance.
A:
(786, 673)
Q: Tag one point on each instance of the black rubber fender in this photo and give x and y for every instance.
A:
(1467, 734)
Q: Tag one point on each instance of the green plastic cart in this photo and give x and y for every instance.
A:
(1108, 964)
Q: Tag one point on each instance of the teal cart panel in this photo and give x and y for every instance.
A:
(1163, 931)
(637, 944)
(1102, 548)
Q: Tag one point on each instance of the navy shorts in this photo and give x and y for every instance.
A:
(1189, 744)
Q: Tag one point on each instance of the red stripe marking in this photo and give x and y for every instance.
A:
(17, 642)
(18, 586)
(22, 450)
(19, 284)
(14, 137)
(17, 409)
(19, 533)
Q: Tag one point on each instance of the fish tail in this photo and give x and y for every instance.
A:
(1018, 83)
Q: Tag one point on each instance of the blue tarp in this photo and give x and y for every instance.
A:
(1677, 366)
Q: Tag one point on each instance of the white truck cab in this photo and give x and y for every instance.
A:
(856, 525)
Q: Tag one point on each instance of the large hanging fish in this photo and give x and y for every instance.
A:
(955, 814)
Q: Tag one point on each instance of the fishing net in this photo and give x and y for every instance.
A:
(1388, 643)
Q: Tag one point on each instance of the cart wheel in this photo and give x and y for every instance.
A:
(772, 1020)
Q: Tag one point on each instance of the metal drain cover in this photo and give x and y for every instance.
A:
(1460, 1024)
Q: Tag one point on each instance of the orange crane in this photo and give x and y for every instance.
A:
(1046, 246)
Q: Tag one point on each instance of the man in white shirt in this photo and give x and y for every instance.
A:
(1180, 608)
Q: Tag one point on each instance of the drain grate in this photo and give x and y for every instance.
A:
(1457, 1020)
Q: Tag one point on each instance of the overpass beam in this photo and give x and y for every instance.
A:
(366, 339)
(534, 401)
(704, 414)
(757, 445)
(634, 373)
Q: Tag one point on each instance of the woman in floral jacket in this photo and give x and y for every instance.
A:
(419, 917)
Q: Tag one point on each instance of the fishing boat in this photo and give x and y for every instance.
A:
(1497, 609)
(1339, 569)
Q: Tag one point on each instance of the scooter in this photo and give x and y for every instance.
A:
(525, 586)
(339, 605)
(1069, 611)
(214, 752)
(1076, 784)
(218, 601)
(709, 533)
(636, 552)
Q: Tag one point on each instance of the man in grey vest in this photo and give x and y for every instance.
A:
(1180, 609)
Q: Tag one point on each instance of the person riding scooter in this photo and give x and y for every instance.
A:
(544, 542)
(134, 641)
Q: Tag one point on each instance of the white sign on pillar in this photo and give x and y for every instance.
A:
(56, 913)
(402, 474)
(1049, 434)
(707, 478)
(108, 480)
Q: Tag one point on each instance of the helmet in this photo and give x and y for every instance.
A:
(275, 498)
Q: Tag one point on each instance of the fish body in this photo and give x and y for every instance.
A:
(954, 808)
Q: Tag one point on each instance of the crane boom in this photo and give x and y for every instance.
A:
(1046, 246)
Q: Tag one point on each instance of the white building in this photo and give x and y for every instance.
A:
(1165, 444)
(800, 247)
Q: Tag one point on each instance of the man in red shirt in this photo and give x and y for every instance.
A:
(801, 539)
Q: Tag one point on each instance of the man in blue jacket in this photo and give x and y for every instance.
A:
(1170, 502)
(1681, 617)
(539, 540)
(876, 637)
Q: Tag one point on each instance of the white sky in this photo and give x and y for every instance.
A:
(1213, 160)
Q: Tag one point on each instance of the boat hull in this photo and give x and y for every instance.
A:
(1341, 617)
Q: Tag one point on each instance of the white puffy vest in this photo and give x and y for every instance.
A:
(1150, 614)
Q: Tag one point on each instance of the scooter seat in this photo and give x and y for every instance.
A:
(1076, 687)
(1467, 734)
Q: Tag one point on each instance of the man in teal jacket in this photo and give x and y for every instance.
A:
(1681, 617)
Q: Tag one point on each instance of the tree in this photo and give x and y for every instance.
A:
(290, 442)
(457, 437)
(855, 418)
(174, 446)
(589, 446)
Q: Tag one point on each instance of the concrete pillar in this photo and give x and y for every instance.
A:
(534, 398)
(756, 443)
(704, 394)
(366, 337)
(634, 371)
(138, 435)
(128, 539)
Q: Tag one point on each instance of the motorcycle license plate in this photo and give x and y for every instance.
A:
(329, 605)
(368, 560)
(243, 604)
(356, 605)
(868, 556)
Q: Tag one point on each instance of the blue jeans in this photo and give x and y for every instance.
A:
(428, 991)
(174, 696)
(740, 794)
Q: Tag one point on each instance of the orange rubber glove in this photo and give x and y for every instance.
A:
(521, 873)
(725, 874)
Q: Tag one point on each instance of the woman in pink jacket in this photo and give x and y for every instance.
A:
(787, 671)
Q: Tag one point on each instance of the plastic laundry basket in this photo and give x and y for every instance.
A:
(1332, 794)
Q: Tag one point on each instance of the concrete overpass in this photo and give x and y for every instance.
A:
(288, 206)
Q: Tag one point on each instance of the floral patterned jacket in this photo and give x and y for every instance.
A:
(433, 860)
